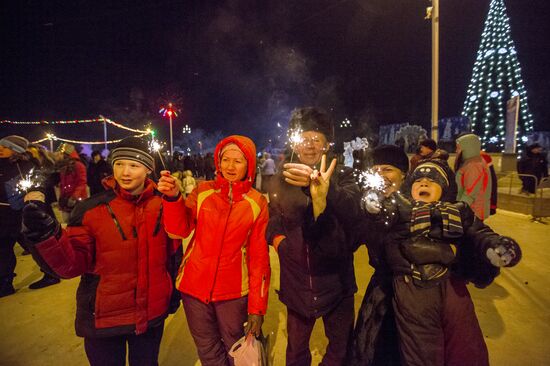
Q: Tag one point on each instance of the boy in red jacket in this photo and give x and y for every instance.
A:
(115, 241)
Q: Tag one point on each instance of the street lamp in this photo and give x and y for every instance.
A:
(169, 111)
(186, 129)
(432, 13)
(51, 137)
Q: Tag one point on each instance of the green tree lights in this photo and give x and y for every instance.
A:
(495, 79)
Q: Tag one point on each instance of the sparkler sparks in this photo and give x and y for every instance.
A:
(156, 147)
(374, 186)
(26, 182)
(371, 180)
(295, 139)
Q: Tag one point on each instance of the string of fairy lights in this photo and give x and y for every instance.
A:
(52, 137)
(496, 78)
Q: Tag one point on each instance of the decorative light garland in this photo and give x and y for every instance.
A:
(76, 121)
(53, 137)
(496, 77)
(69, 122)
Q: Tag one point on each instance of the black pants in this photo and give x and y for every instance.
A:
(338, 329)
(7, 257)
(143, 349)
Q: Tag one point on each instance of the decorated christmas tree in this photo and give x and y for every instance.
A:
(496, 78)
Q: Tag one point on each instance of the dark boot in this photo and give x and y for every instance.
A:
(46, 281)
(6, 286)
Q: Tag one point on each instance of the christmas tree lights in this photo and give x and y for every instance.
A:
(496, 78)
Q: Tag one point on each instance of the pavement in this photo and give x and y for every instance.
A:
(514, 312)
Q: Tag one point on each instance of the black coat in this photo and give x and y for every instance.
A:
(96, 173)
(316, 258)
(11, 201)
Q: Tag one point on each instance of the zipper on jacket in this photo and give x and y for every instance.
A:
(116, 221)
(263, 286)
(230, 195)
(309, 268)
(159, 220)
(308, 264)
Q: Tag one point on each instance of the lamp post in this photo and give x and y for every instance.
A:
(432, 13)
(104, 130)
(50, 137)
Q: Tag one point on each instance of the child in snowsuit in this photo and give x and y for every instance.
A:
(434, 313)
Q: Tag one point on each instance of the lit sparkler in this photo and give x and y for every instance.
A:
(26, 182)
(371, 180)
(156, 147)
(295, 139)
(373, 186)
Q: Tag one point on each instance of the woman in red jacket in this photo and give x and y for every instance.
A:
(225, 271)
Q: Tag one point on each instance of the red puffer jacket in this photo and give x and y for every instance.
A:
(227, 256)
(117, 243)
(72, 183)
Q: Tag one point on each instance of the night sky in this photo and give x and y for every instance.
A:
(242, 66)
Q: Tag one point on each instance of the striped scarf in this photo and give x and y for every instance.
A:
(450, 217)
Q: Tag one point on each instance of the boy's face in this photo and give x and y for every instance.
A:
(130, 175)
(426, 190)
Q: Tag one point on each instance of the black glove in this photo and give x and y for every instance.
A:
(37, 224)
(423, 250)
(506, 254)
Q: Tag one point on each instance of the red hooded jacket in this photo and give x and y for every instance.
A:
(227, 256)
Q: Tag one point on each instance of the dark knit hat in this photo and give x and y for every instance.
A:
(390, 155)
(312, 119)
(429, 143)
(133, 148)
(16, 143)
(439, 171)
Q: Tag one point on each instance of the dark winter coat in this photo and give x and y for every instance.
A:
(374, 339)
(316, 265)
(117, 244)
(418, 301)
(96, 173)
(12, 170)
(534, 164)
